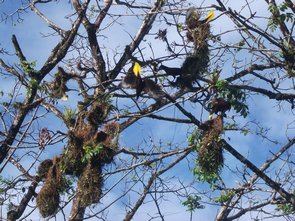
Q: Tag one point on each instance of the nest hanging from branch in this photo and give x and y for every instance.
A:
(90, 185)
(195, 64)
(198, 30)
(210, 157)
(71, 161)
(44, 168)
(48, 198)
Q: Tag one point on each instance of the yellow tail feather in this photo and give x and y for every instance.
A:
(136, 69)
(210, 16)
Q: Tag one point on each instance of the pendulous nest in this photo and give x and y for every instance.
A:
(48, 198)
(44, 168)
(199, 36)
(90, 185)
(87, 151)
(198, 31)
(98, 113)
(210, 157)
(71, 162)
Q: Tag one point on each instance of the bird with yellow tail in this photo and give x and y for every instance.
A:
(193, 18)
(139, 83)
(133, 80)
(198, 30)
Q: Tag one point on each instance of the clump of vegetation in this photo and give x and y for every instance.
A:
(48, 198)
(71, 161)
(224, 197)
(70, 116)
(210, 158)
(90, 185)
(98, 113)
(44, 167)
(193, 202)
(286, 208)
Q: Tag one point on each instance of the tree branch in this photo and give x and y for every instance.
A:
(230, 204)
(139, 202)
(289, 197)
(143, 30)
(13, 215)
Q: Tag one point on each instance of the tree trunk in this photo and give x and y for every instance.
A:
(77, 212)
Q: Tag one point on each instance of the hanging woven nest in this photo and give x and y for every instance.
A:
(193, 66)
(198, 30)
(48, 199)
(98, 113)
(44, 168)
(210, 157)
(71, 162)
(90, 185)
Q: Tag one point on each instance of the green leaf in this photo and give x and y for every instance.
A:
(91, 151)
(192, 203)
(224, 197)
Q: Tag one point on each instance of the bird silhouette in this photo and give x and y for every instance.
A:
(171, 71)
(133, 80)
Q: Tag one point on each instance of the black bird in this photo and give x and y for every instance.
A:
(187, 74)
(219, 105)
(133, 80)
(153, 89)
(171, 71)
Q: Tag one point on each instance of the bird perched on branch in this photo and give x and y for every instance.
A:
(133, 80)
(193, 66)
(153, 89)
(174, 72)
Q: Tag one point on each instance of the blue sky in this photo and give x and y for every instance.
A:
(147, 132)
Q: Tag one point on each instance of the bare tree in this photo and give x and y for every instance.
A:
(118, 112)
